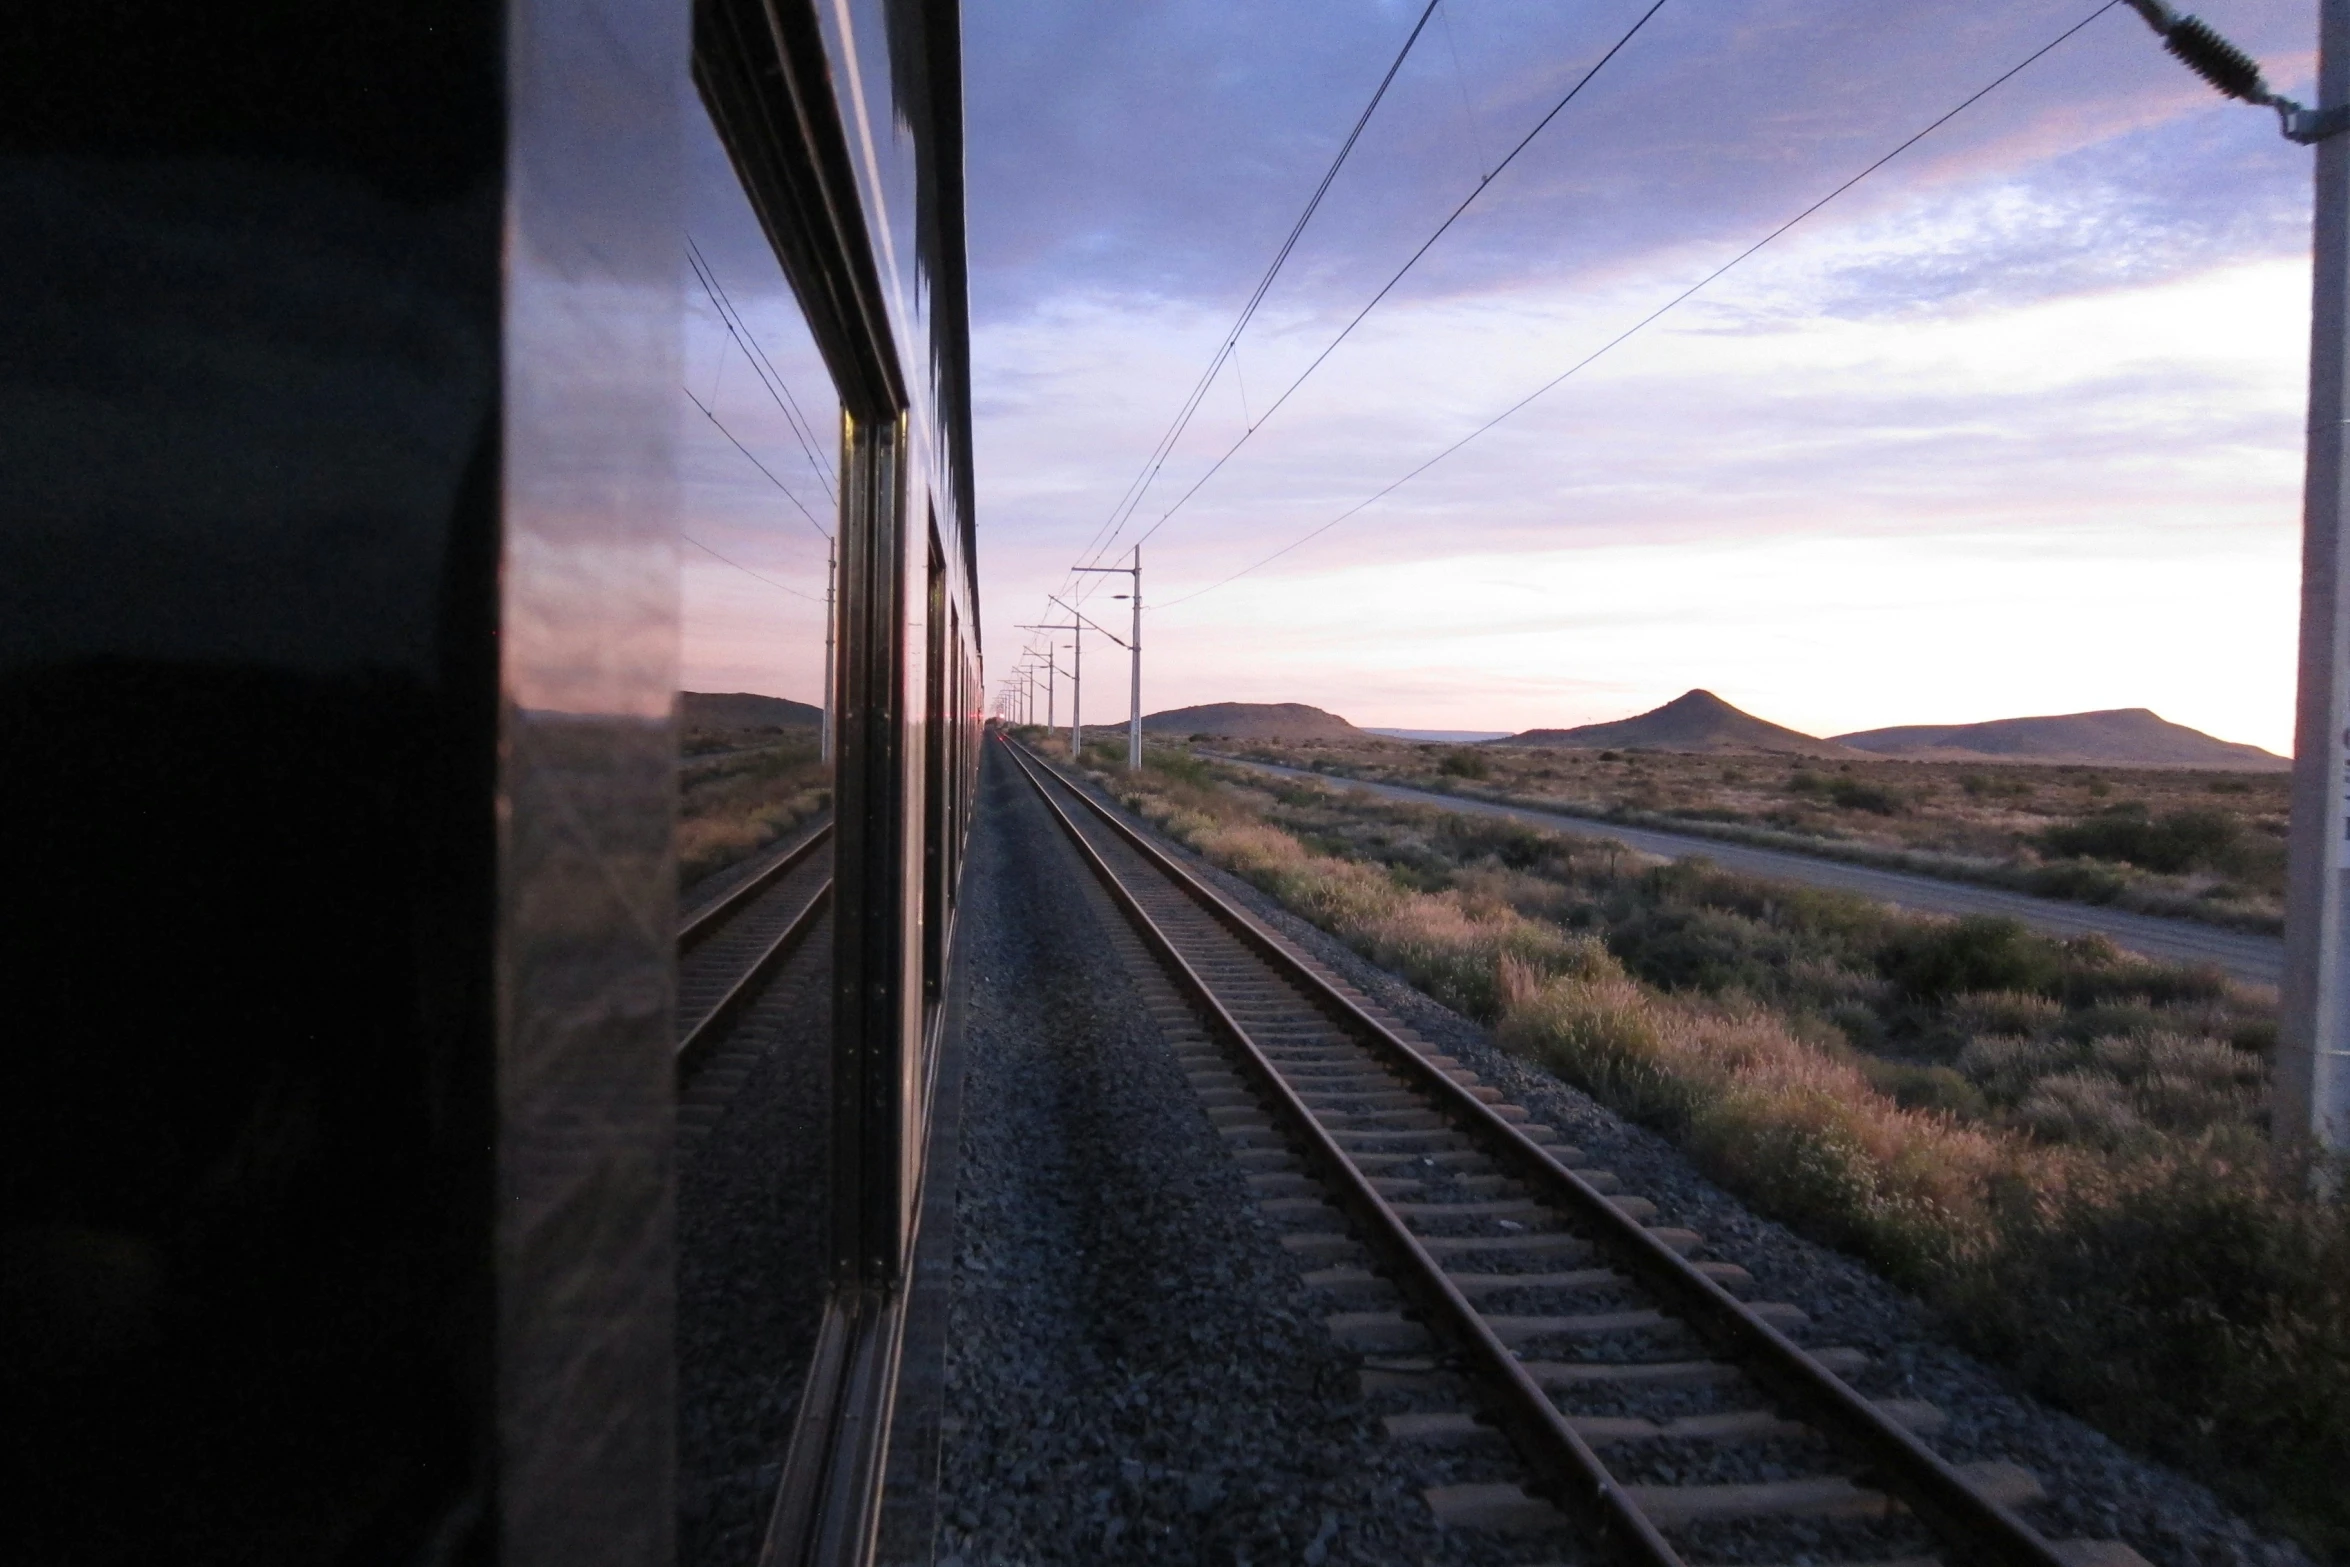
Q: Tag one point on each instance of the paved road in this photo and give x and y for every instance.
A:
(2245, 955)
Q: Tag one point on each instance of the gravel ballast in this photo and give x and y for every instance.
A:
(750, 1283)
(1134, 1373)
(2096, 1489)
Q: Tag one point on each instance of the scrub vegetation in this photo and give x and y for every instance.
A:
(2199, 845)
(738, 792)
(2058, 1144)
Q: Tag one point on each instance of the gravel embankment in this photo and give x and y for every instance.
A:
(2097, 1490)
(1133, 1371)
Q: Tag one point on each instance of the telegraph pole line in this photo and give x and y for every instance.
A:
(1134, 694)
(1053, 665)
(2310, 1081)
(1134, 657)
(1132, 761)
(1025, 673)
(1076, 682)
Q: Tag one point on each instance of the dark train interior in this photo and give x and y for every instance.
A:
(339, 627)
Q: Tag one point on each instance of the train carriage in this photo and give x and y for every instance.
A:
(339, 637)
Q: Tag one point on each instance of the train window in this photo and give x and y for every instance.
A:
(759, 442)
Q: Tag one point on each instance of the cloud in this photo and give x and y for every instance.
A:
(2068, 325)
(1181, 138)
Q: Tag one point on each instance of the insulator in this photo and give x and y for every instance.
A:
(2217, 61)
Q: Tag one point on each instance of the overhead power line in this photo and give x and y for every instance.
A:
(1410, 262)
(711, 415)
(748, 572)
(1638, 326)
(778, 388)
(1139, 485)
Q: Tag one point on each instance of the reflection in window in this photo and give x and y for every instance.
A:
(759, 434)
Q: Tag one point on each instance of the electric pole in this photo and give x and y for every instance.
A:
(2310, 1080)
(1076, 684)
(1134, 657)
(1053, 666)
(1085, 620)
(1134, 693)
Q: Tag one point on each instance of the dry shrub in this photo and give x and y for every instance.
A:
(2003, 1012)
(2080, 1107)
(1604, 1034)
(1469, 954)
(730, 807)
(2186, 1298)
(1801, 1132)
(1827, 983)
(710, 843)
(2005, 1066)
(2193, 1302)
(1452, 943)
(2113, 1091)
(707, 844)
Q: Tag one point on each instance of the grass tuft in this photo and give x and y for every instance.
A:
(731, 807)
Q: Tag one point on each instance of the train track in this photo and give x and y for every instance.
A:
(727, 952)
(1499, 1288)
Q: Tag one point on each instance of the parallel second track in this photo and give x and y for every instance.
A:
(729, 951)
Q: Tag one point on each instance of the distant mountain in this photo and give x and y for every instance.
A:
(2116, 737)
(1693, 721)
(744, 710)
(1252, 721)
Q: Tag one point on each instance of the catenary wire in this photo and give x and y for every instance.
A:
(802, 425)
(1652, 316)
(803, 428)
(1137, 487)
(712, 416)
(748, 572)
(772, 379)
(778, 389)
(1413, 260)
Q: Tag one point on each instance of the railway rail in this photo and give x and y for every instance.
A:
(727, 951)
(1497, 1286)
